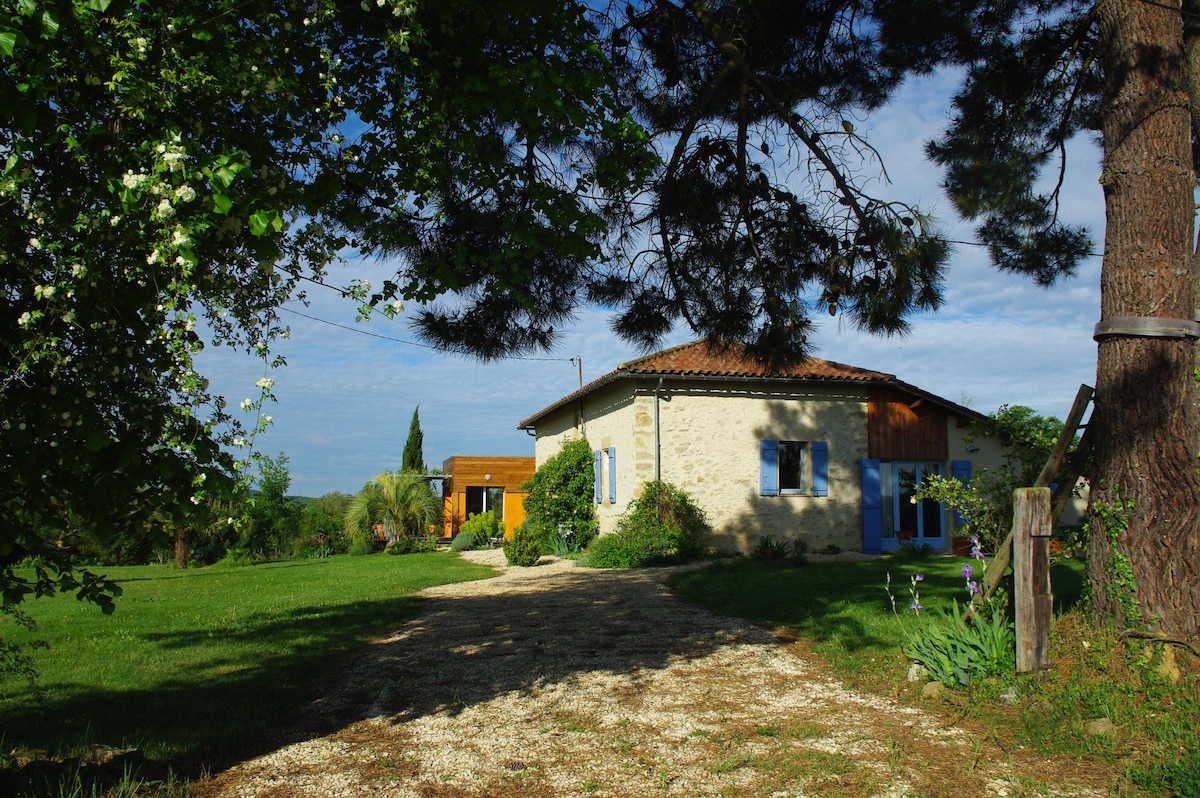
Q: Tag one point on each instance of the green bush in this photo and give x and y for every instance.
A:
(483, 528)
(662, 526)
(524, 548)
(561, 494)
(322, 525)
(463, 541)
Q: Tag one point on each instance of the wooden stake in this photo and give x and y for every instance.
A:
(1032, 598)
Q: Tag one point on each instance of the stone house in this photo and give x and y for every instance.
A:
(821, 451)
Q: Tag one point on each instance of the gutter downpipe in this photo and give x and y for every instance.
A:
(657, 440)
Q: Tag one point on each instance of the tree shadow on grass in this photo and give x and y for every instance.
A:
(845, 600)
(544, 626)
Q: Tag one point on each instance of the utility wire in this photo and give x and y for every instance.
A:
(414, 343)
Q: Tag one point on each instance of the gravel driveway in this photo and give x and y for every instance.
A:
(563, 681)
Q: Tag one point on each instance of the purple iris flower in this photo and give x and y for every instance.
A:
(916, 606)
(972, 587)
(967, 571)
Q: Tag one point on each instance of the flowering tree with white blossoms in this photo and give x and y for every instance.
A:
(173, 170)
(152, 184)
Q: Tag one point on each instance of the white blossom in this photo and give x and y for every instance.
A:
(174, 160)
(165, 209)
(266, 383)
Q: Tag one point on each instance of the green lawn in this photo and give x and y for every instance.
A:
(194, 663)
(843, 607)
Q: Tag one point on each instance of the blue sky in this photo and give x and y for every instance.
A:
(346, 397)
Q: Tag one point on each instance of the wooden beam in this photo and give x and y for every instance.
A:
(1082, 398)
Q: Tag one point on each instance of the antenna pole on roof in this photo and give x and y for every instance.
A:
(578, 361)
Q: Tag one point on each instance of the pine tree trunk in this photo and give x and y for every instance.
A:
(1147, 425)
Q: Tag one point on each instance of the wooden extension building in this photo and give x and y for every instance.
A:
(475, 485)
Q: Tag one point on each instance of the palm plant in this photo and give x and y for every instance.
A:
(402, 505)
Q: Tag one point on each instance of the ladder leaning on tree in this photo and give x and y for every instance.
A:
(1003, 555)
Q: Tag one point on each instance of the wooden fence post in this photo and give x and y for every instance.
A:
(1033, 602)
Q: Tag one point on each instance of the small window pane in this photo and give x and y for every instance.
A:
(495, 502)
(791, 473)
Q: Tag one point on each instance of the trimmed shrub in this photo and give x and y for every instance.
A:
(662, 526)
(463, 541)
(524, 548)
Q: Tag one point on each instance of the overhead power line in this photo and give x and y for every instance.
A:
(417, 344)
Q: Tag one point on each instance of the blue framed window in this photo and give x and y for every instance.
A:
(793, 468)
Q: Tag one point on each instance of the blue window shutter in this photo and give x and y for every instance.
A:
(597, 486)
(872, 507)
(960, 470)
(768, 468)
(820, 468)
(612, 474)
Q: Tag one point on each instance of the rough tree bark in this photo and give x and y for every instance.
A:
(1146, 420)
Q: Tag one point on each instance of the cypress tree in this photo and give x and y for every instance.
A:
(413, 461)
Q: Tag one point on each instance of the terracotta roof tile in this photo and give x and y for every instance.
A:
(699, 359)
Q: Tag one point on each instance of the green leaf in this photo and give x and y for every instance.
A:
(847, 126)
(50, 22)
(9, 40)
(222, 204)
(261, 221)
(97, 5)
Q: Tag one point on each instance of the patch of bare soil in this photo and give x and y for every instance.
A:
(564, 681)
